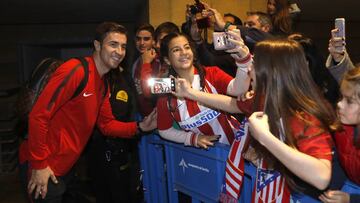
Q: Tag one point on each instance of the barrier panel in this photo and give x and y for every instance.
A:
(196, 172)
(169, 168)
(152, 163)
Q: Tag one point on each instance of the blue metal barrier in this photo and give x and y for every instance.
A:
(169, 168)
(196, 172)
(152, 162)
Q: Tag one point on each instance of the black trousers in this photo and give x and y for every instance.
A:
(114, 170)
(56, 193)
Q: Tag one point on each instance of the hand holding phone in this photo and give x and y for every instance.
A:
(161, 85)
(221, 41)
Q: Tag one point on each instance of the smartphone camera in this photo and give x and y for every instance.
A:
(221, 41)
(197, 7)
(340, 25)
(161, 85)
(196, 10)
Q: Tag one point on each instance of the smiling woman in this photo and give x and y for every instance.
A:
(203, 125)
(192, 123)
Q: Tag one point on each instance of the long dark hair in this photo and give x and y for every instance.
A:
(281, 19)
(287, 91)
(320, 74)
(164, 52)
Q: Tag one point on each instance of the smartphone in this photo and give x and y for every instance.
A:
(340, 25)
(161, 85)
(221, 42)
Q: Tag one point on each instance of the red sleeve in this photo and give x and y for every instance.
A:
(246, 106)
(311, 138)
(218, 78)
(50, 100)
(109, 126)
(164, 118)
(145, 75)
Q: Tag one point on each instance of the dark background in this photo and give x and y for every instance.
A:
(33, 29)
(317, 19)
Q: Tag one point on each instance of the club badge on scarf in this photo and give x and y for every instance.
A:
(270, 186)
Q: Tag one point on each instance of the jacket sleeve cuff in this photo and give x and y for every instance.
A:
(244, 63)
(191, 139)
(38, 164)
(330, 63)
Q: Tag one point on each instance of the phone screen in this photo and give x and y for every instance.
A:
(340, 25)
(161, 85)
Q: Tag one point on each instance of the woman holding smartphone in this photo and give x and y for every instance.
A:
(199, 125)
(190, 122)
(289, 120)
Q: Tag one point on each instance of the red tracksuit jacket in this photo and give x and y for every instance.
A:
(59, 127)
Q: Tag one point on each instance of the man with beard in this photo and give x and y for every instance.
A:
(60, 126)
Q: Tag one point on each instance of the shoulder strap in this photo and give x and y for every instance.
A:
(84, 81)
(106, 85)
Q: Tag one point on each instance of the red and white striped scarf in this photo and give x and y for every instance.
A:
(270, 186)
(234, 172)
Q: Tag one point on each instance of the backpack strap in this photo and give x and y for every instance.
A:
(84, 81)
(106, 85)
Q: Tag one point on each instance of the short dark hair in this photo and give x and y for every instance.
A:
(237, 20)
(264, 18)
(147, 27)
(166, 27)
(103, 29)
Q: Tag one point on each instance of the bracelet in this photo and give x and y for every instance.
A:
(227, 25)
(244, 60)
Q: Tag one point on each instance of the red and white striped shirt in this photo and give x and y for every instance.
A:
(196, 118)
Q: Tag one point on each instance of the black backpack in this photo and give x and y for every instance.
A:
(30, 92)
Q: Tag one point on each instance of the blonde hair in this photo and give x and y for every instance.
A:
(351, 80)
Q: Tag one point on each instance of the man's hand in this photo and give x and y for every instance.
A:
(335, 196)
(39, 181)
(149, 122)
(148, 56)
